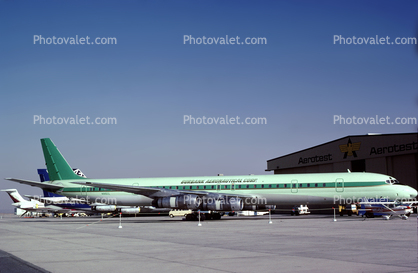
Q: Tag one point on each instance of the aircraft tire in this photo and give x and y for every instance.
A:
(216, 216)
(369, 215)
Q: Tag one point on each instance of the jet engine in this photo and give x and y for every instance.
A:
(130, 210)
(106, 208)
(226, 204)
(188, 201)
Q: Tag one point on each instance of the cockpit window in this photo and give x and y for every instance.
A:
(392, 181)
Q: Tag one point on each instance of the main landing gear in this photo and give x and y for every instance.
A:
(194, 216)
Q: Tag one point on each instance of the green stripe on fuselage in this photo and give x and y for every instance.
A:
(243, 187)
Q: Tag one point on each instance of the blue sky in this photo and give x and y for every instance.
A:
(149, 80)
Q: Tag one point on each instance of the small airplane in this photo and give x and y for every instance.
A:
(33, 205)
(385, 208)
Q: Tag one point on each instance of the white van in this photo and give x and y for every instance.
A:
(179, 212)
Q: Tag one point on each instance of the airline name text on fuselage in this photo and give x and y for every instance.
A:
(226, 181)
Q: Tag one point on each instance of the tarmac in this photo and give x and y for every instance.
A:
(313, 243)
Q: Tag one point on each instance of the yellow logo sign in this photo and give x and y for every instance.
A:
(350, 148)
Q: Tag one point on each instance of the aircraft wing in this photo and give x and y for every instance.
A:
(376, 203)
(42, 185)
(387, 203)
(411, 203)
(39, 209)
(145, 191)
(150, 191)
(54, 210)
(56, 200)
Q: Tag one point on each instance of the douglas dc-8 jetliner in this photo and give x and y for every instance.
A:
(217, 194)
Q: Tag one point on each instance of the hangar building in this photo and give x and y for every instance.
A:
(392, 154)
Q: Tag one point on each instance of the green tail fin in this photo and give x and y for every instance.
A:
(58, 168)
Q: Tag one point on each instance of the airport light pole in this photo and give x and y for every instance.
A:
(120, 219)
(199, 225)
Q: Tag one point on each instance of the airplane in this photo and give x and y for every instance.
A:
(385, 208)
(215, 195)
(34, 205)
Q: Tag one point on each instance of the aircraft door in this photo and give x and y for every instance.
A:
(294, 186)
(339, 185)
(83, 191)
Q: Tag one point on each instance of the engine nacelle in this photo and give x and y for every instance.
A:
(106, 208)
(259, 207)
(130, 210)
(189, 201)
(231, 204)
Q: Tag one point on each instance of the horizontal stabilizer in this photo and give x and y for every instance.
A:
(41, 185)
